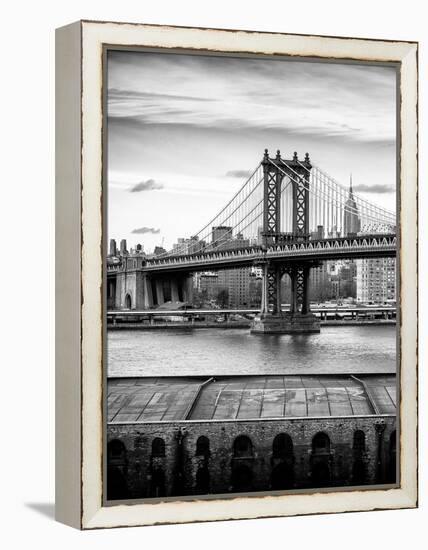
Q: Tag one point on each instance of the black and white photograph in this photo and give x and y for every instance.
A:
(251, 284)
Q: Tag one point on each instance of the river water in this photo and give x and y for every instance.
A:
(181, 352)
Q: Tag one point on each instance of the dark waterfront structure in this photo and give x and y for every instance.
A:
(188, 436)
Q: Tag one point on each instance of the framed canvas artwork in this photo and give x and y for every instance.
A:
(236, 274)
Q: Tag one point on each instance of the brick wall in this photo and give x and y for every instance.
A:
(176, 473)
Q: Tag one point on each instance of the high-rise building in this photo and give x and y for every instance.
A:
(348, 279)
(196, 245)
(208, 285)
(112, 248)
(255, 289)
(123, 250)
(320, 282)
(188, 246)
(376, 280)
(181, 246)
(237, 283)
(159, 250)
(318, 234)
(220, 235)
(351, 219)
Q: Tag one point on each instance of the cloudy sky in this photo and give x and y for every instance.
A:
(185, 130)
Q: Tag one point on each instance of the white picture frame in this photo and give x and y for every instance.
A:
(79, 272)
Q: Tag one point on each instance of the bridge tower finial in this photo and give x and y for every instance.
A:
(307, 158)
(295, 156)
(278, 154)
(266, 155)
(350, 184)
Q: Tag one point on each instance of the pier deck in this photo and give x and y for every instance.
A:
(249, 397)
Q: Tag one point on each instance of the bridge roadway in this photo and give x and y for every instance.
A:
(361, 246)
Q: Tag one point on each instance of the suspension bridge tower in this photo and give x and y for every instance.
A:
(299, 318)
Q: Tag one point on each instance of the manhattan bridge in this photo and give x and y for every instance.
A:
(287, 218)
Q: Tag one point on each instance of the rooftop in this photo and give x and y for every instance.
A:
(248, 397)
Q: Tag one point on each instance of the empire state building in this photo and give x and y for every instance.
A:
(351, 219)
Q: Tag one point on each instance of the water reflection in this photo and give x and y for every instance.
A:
(176, 352)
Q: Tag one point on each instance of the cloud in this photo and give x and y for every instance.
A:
(147, 185)
(123, 95)
(239, 173)
(376, 188)
(321, 99)
(145, 230)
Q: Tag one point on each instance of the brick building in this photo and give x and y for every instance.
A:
(186, 436)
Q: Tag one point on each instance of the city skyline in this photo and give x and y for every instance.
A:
(176, 156)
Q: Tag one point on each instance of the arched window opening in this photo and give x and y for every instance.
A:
(203, 446)
(282, 446)
(128, 301)
(242, 447)
(116, 450)
(158, 447)
(359, 445)
(321, 443)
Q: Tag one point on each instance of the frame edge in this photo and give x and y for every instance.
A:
(405, 497)
(68, 294)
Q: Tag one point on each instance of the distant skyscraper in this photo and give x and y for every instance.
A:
(237, 283)
(123, 250)
(181, 246)
(159, 250)
(319, 233)
(320, 286)
(376, 280)
(209, 285)
(351, 219)
(188, 246)
(113, 248)
(220, 235)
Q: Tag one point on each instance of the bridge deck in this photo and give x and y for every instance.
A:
(248, 397)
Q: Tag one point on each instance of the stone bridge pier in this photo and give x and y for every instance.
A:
(299, 319)
(136, 290)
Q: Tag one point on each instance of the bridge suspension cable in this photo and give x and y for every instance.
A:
(337, 202)
(227, 223)
(333, 210)
(382, 215)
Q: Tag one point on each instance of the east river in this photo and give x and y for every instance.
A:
(180, 352)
